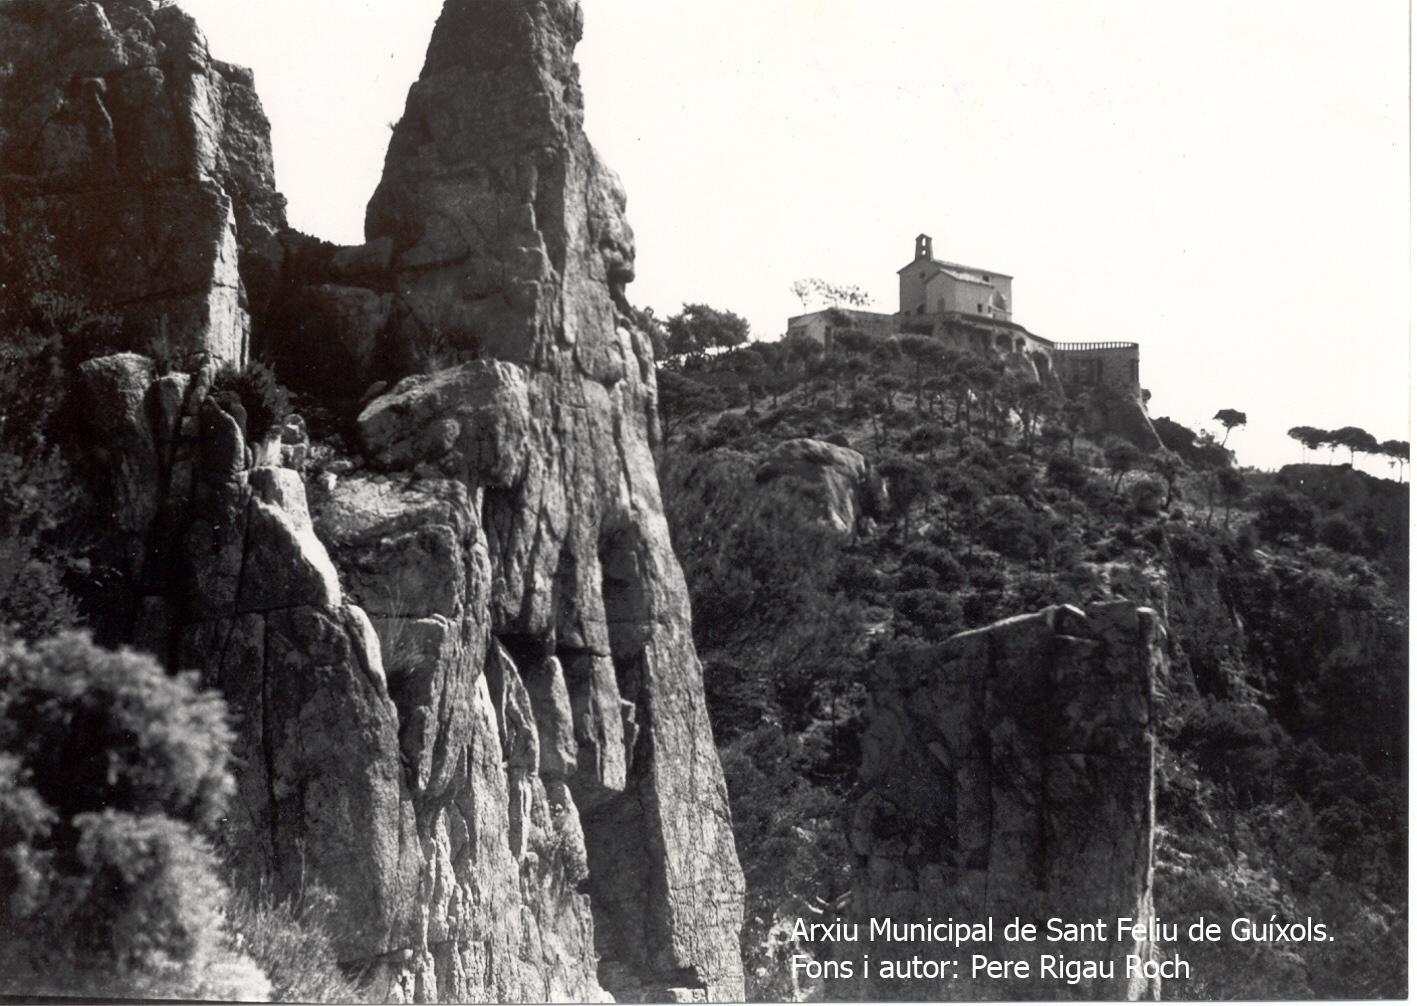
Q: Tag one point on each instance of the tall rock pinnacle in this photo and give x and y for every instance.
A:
(509, 234)
(509, 244)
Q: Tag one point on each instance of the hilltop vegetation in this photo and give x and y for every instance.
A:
(1282, 769)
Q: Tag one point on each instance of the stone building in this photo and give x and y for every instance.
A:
(972, 308)
(929, 286)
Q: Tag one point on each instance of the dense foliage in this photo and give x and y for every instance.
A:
(111, 775)
(1282, 766)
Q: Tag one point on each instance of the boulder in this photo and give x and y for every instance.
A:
(475, 419)
(838, 477)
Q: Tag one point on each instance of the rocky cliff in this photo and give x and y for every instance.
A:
(1008, 773)
(468, 699)
(146, 160)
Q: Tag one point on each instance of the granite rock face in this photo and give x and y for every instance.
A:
(838, 476)
(147, 161)
(467, 695)
(507, 255)
(1009, 772)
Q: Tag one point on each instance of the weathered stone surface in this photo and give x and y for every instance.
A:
(283, 564)
(1009, 772)
(473, 419)
(545, 684)
(839, 474)
(510, 244)
(147, 160)
(339, 807)
(469, 700)
(599, 728)
(405, 550)
(114, 391)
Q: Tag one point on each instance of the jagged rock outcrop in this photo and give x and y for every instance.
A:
(467, 695)
(838, 477)
(507, 250)
(1009, 772)
(146, 160)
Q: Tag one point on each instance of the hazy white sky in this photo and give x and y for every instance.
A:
(1226, 183)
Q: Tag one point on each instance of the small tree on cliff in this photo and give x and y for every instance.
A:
(908, 482)
(698, 328)
(1355, 439)
(1170, 467)
(1399, 451)
(1230, 418)
(1122, 456)
(1310, 438)
(1231, 486)
(681, 398)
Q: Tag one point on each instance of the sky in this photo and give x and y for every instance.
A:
(1225, 183)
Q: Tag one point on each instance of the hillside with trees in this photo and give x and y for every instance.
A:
(1282, 783)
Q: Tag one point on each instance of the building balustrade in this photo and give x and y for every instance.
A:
(1083, 347)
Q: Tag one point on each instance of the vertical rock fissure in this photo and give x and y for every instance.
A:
(1049, 720)
(267, 741)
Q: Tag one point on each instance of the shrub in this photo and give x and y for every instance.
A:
(914, 577)
(980, 607)
(261, 404)
(937, 614)
(977, 452)
(167, 356)
(789, 836)
(1145, 496)
(1283, 512)
(858, 575)
(945, 565)
(1020, 478)
(110, 770)
(1068, 472)
(1090, 455)
(729, 430)
(1009, 527)
(989, 578)
(291, 942)
(1038, 590)
(1340, 533)
(37, 497)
